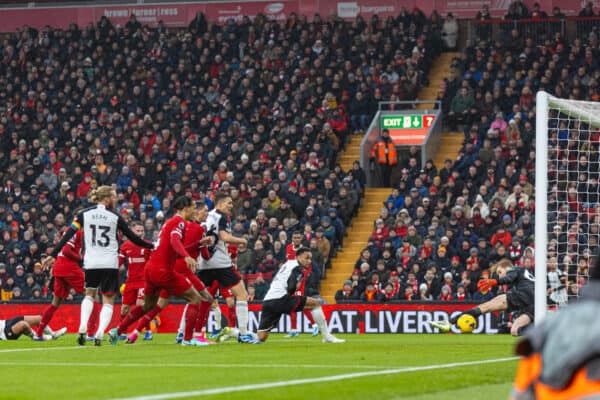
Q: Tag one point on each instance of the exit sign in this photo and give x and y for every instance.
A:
(407, 121)
(409, 129)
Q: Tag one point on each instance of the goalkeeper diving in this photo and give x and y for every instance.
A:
(519, 298)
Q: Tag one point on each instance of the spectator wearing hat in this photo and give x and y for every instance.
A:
(84, 186)
(370, 295)
(502, 235)
(49, 178)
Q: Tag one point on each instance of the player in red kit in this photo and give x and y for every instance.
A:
(290, 252)
(67, 275)
(161, 275)
(135, 257)
(194, 242)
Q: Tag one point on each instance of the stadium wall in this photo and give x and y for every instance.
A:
(181, 14)
(343, 318)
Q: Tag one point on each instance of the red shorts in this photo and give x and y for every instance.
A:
(64, 284)
(169, 283)
(196, 282)
(132, 293)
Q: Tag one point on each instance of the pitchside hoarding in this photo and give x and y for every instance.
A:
(342, 318)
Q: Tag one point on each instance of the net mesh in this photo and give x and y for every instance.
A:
(573, 194)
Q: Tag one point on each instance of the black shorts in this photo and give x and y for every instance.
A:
(521, 302)
(227, 277)
(104, 279)
(273, 309)
(10, 335)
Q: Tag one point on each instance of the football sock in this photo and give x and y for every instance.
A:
(93, 321)
(182, 320)
(319, 317)
(309, 316)
(231, 316)
(87, 306)
(105, 318)
(46, 317)
(218, 317)
(202, 316)
(294, 321)
(135, 314)
(475, 312)
(190, 320)
(241, 310)
(144, 322)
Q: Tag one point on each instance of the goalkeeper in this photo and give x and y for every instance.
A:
(519, 298)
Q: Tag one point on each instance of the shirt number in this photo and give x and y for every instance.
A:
(103, 240)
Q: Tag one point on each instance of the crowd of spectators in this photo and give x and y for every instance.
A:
(256, 108)
(443, 226)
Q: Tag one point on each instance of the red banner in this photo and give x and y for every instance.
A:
(181, 14)
(342, 318)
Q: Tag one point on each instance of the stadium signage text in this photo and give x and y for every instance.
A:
(407, 129)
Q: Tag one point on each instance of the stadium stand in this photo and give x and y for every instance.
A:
(259, 109)
(433, 242)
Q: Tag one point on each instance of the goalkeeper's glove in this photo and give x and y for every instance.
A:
(484, 285)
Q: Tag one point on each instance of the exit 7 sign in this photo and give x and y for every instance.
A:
(407, 129)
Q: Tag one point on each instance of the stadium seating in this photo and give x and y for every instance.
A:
(259, 109)
(480, 206)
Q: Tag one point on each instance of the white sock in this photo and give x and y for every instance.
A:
(182, 321)
(218, 317)
(319, 317)
(105, 318)
(241, 311)
(87, 306)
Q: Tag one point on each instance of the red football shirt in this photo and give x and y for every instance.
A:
(193, 234)
(136, 258)
(290, 251)
(67, 261)
(164, 255)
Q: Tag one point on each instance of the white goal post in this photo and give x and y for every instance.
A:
(554, 172)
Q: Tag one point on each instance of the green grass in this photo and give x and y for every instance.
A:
(157, 367)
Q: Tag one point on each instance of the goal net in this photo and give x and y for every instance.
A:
(567, 214)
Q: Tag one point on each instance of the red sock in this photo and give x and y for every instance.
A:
(190, 320)
(294, 320)
(231, 317)
(202, 316)
(93, 321)
(46, 317)
(308, 315)
(135, 314)
(144, 322)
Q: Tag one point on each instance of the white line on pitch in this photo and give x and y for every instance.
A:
(41, 349)
(181, 365)
(295, 382)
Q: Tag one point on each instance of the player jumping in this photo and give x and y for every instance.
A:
(519, 298)
(281, 298)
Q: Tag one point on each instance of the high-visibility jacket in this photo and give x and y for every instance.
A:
(385, 153)
(562, 354)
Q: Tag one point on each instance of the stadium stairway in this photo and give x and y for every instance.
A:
(362, 225)
(358, 235)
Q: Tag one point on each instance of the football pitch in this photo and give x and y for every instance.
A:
(365, 367)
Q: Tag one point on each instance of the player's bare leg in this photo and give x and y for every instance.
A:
(519, 324)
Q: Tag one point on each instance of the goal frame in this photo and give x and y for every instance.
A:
(544, 102)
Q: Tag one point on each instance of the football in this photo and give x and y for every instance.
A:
(466, 323)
